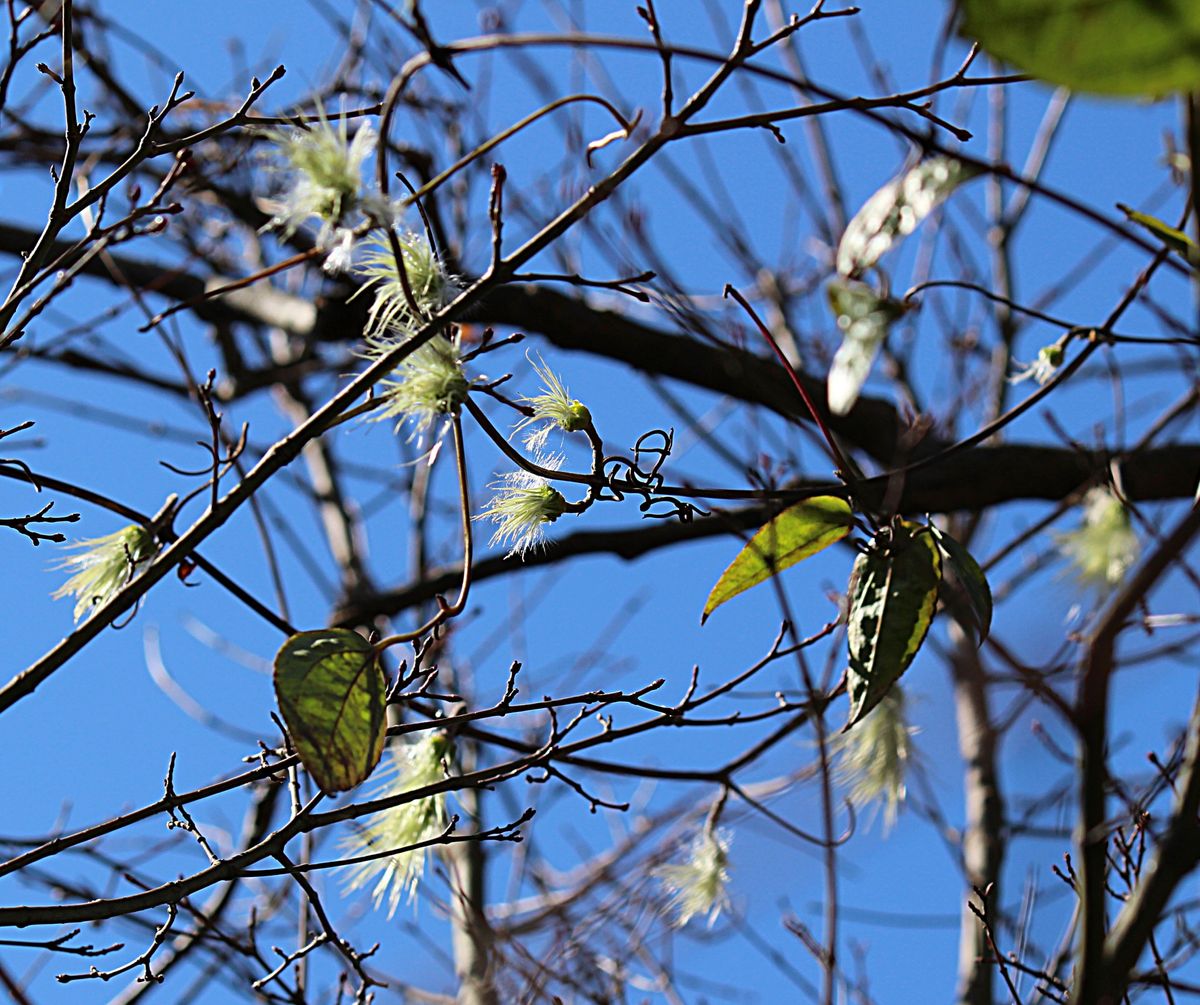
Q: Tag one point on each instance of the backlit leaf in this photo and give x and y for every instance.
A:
(895, 210)
(333, 696)
(970, 578)
(795, 534)
(863, 318)
(1131, 47)
(893, 593)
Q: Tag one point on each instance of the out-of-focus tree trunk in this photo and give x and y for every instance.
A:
(983, 837)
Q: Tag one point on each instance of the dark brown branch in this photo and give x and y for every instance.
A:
(975, 480)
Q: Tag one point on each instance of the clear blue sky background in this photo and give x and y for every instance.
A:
(98, 734)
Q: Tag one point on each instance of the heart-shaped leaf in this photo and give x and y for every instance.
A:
(333, 696)
(970, 579)
(792, 536)
(1128, 47)
(893, 593)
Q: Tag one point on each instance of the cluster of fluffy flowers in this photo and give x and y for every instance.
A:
(525, 504)
(409, 282)
(326, 184)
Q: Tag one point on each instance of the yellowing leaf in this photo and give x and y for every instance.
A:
(792, 536)
(893, 593)
(1176, 240)
(895, 210)
(333, 697)
(1130, 47)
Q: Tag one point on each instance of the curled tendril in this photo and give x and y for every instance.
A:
(624, 474)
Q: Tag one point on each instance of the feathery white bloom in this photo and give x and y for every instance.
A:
(341, 255)
(419, 764)
(1042, 369)
(697, 885)
(428, 384)
(553, 409)
(431, 285)
(522, 507)
(326, 184)
(1104, 546)
(326, 177)
(873, 757)
(104, 565)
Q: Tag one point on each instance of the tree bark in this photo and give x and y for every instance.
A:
(983, 842)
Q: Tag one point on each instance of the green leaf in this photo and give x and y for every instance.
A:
(333, 696)
(792, 536)
(1176, 240)
(863, 318)
(893, 593)
(970, 578)
(895, 211)
(1131, 47)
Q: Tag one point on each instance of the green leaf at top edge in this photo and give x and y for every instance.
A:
(970, 578)
(893, 594)
(333, 696)
(1128, 47)
(790, 537)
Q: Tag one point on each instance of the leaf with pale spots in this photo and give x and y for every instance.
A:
(895, 210)
(333, 696)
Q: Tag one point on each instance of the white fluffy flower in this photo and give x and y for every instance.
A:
(428, 385)
(1042, 369)
(697, 885)
(1104, 546)
(523, 506)
(104, 565)
(431, 285)
(553, 409)
(325, 169)
(418, 765)
(325, 166)
(873, 756)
